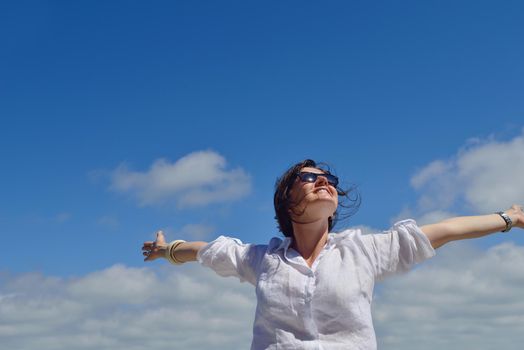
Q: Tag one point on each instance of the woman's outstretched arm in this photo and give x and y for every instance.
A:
(184, 252)
(465, 227)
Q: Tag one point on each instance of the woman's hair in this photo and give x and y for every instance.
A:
(283, 203)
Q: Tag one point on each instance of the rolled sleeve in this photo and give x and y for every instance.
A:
(397, 249)
(230, 257)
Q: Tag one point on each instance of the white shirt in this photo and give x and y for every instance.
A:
(327, 306)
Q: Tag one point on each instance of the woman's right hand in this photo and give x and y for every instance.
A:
(154, 250)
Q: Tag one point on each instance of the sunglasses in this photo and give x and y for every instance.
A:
(312, 177)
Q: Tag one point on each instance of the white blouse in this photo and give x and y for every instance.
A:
(327, 306)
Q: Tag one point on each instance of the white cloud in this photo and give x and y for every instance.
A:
(461, 299)
(433, 217)
(117, 284)
(434, 169)
(127, 308)
(464, 299)
(197, 179)
(421, 217)
(485, 176)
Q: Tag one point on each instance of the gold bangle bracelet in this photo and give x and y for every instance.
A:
(173, 252)
(170, 256)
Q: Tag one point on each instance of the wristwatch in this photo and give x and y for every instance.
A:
(507, 219)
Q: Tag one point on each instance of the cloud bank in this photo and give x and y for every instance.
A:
(461, 299)
(197, 179)
(126, 308)
(483, 177)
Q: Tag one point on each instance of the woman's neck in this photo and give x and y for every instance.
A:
(309, 239)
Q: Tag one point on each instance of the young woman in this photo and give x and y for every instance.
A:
(314, 288)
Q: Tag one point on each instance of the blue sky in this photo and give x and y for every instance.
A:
(385, 92)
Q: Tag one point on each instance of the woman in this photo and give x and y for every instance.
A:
(314, 288)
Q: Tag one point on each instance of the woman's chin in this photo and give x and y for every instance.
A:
(323, 205)
(315, 214)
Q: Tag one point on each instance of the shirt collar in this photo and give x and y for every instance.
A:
(284, 245)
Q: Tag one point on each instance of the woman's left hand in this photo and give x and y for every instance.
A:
(154, 250)
(516, 214)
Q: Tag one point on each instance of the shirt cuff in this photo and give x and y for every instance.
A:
(420, 237)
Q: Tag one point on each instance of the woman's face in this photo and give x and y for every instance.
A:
(312, 201)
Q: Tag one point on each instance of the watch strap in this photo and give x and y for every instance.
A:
(507, 219)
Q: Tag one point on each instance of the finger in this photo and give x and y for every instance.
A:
(148, 246)
(150, 257)
(160, 239)
(154, 247)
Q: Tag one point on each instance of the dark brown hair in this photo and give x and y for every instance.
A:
(283, 203)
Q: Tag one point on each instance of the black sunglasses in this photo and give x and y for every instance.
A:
(312, 177)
